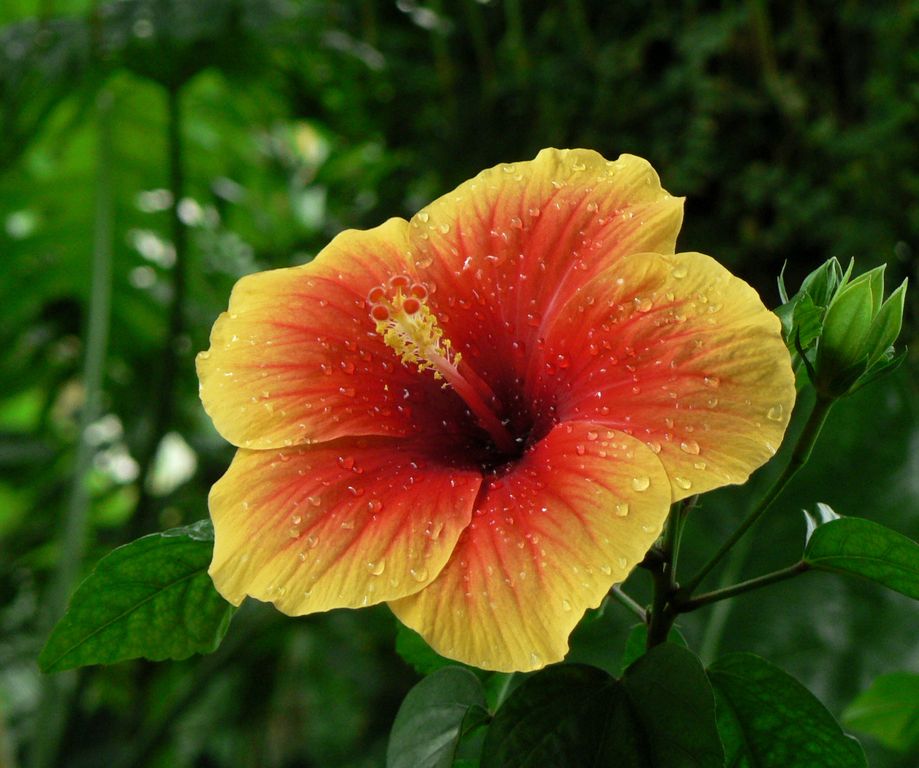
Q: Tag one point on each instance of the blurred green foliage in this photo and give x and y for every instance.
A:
(789, 126)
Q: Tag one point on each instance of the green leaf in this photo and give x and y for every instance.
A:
(864, 548)
(767, 719)
(151, 598)
(888, 711)
(433, 718)
(637, 641)
(661, 713)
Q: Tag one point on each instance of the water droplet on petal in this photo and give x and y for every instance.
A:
(711, 381)
(622, 562)
(419, 574)
(566, 606)
(776, 412)
(580, 449)
(345, 462)
(690, 446)
(622, 509)
(683, 482)
(641, 483)
(376, 568)
(679, 271)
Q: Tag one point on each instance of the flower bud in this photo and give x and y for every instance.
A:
(859, 329)
(802, 314)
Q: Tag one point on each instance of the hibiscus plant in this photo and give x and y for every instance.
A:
(488, 417)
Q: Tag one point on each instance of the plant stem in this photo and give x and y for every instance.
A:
(799, 457)
(58, 690)
(663, 572)
(685, 606)
(165, 392)
(629, 603)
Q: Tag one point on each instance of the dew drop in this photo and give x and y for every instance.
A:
(580, 449)
(419, 574)
(312, 540)
(776, 412)
(641, 483)
(683, 482)
(293, 532)
(690, 446)
(314, 500)
(622, 509)
(345, 462)
(679, 271)
(622, 562)
(711, 381)
(376, 568)
(566, 606)
(535, 660)
(436, 530)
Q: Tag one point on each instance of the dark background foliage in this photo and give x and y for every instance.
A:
(790, 126)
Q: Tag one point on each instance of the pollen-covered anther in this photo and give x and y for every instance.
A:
(404, 320)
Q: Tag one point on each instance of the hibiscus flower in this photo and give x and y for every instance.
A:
(482, 416)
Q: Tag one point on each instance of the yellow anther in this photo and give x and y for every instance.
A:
(408, 326)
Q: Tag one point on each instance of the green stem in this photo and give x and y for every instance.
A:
(57, 690)
(717, 595)
(799, 457)
(664, 572)
(165, 392)
(629, 603)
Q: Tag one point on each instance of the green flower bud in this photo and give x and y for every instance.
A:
(859, 329)
(802, 314)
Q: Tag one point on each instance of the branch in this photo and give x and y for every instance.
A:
(691, 604)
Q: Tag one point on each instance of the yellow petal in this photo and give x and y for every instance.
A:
(296, 358)
(345, 524)
(678, 352)
(547, 541)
